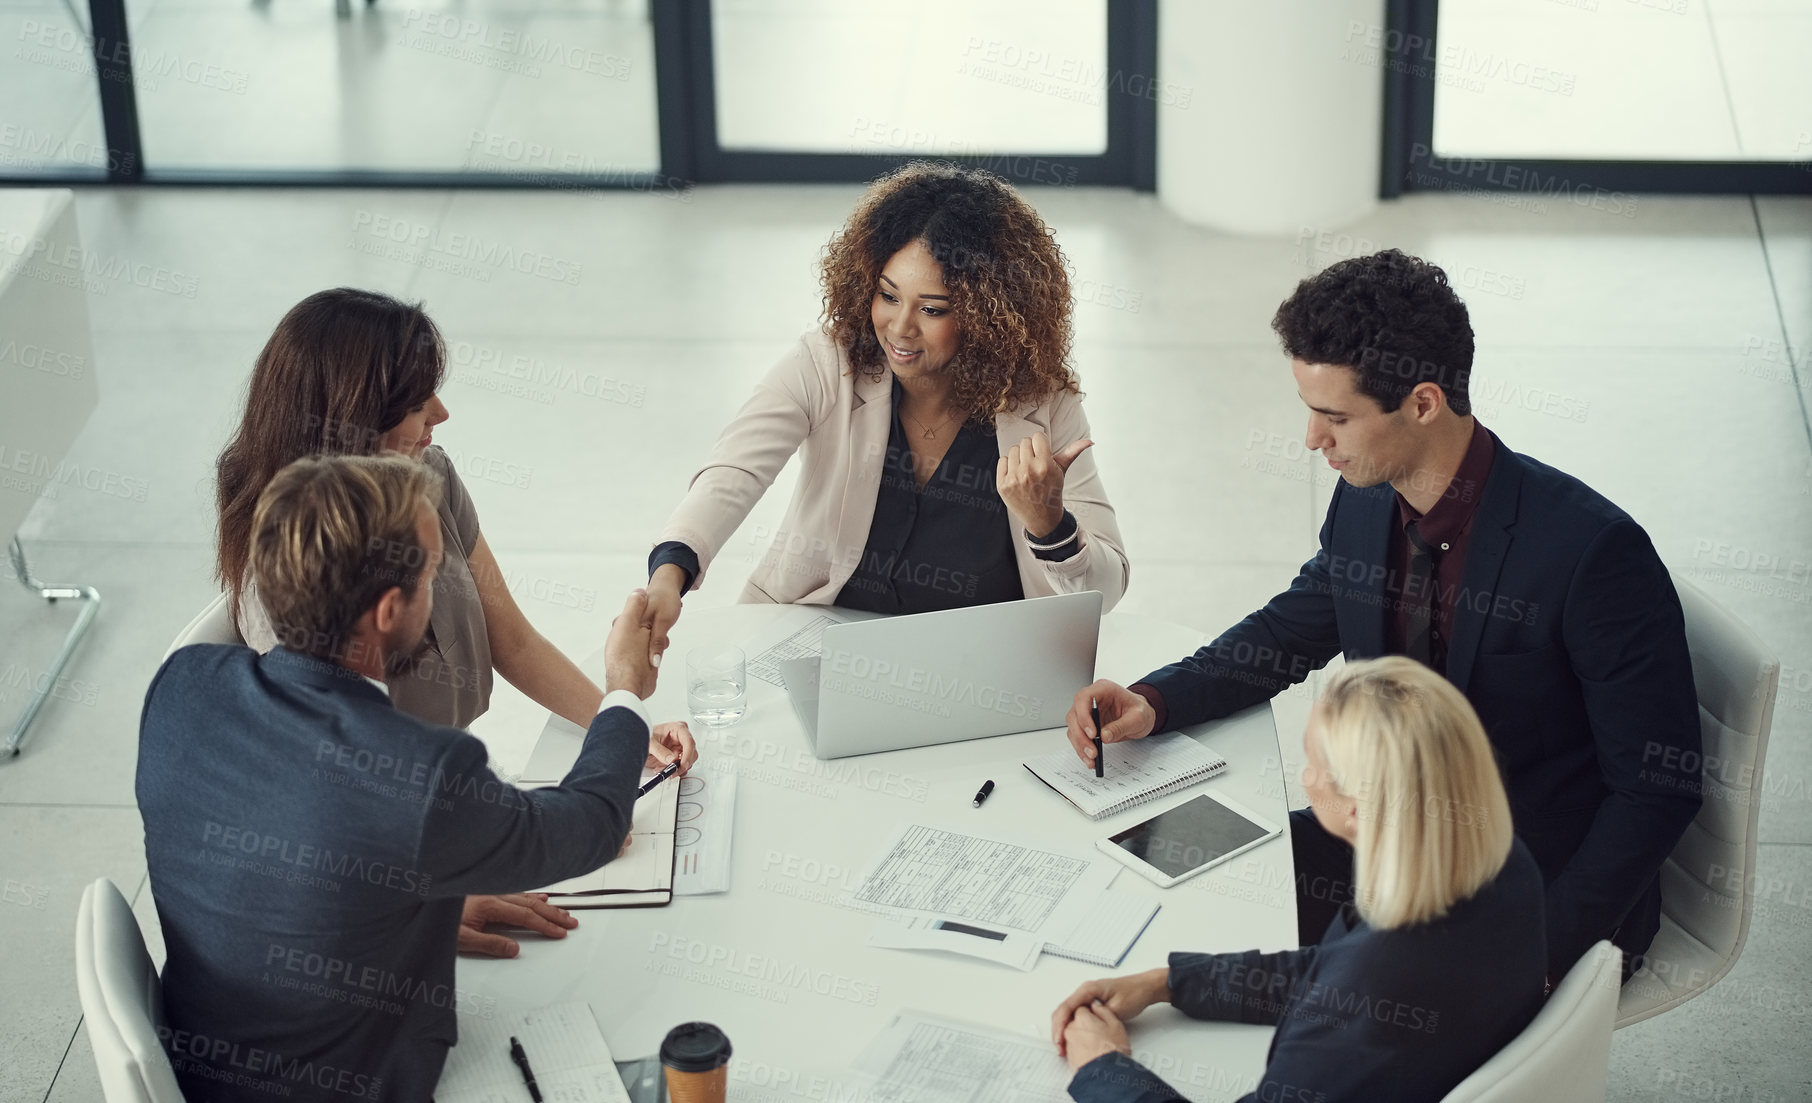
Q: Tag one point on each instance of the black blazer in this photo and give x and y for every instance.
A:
(1569, 641)
(310, 848)
(1402, 1015)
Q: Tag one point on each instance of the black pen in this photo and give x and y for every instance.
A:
(667, 771)
(1094, 717)
(528, 1074)
(982, 794)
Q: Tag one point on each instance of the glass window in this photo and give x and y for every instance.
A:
(933, 77)
(1657, 80)
(494, 86)
(52, 118)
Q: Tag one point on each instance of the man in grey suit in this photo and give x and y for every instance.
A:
(310, 847)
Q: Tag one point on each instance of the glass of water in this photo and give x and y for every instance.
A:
(717, 685)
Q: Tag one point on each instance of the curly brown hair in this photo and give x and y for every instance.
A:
(1008, 281)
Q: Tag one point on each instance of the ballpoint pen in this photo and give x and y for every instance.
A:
(667, 771)
(1094, 718)
(528, 1074)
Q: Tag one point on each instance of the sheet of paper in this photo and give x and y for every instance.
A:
(918, 1058)
(938, 873)
(797, 635)
(955, 936)
(554, 753)
(565, 1049)
(707, 821)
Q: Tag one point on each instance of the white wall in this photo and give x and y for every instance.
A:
(1273, 114)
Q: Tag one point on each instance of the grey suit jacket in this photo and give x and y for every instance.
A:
(310, 848)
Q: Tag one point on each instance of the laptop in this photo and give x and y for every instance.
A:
(912, 681)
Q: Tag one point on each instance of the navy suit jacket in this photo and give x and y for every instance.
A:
(310, 848)
(1569, 641)
(1402, 1015)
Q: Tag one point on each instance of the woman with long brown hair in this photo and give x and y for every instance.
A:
(939, 427)
(350, 371)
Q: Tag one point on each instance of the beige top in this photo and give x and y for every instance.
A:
(452, 683)
(837, 421)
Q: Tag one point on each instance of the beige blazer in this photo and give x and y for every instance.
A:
(837, 420)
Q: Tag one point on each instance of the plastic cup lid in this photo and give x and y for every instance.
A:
(695, 1047)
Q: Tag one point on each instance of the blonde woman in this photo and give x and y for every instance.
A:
(1436, 966)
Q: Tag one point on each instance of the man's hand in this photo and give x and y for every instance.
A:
(1030, 481)
(1124, 715)
(626, 654)
(1124, 996)
(663, 607)
(669, 741)
(1095, 1030)
(526, 910)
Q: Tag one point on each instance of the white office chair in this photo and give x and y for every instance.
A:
(1708, 882)
(122, 1001)
(43, 404)
(1564, 1054)
(214, 624)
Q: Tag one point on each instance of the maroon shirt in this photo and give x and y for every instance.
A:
(1447, 530)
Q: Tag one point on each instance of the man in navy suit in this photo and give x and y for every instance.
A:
(1538, 598)
(310, 847)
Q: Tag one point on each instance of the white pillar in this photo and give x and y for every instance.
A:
(1282, 125)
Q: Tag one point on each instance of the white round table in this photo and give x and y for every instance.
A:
(784, 969)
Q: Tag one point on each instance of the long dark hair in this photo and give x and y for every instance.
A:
(341, 369)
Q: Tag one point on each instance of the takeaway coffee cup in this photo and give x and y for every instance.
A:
(696, 1057)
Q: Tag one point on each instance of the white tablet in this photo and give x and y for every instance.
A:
(1183, 840)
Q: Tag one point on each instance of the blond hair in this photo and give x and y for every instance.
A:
(330, 535)
(1433, 820)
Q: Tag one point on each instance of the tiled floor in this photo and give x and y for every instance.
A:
(1660, 356)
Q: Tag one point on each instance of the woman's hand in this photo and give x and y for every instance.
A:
(669, 741)
(663, 607)
(1030, 481)
(1095, 1030)
(627, 656)
(1125, 997)
(528, 910)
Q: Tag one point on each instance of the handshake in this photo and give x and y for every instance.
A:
(631, 661)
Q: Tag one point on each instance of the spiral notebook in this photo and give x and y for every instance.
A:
(1137, 771)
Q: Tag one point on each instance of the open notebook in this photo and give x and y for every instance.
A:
(1137, 771)
(642, 876)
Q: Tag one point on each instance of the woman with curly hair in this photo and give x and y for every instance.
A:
(940, 430)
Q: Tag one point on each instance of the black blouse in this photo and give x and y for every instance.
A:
(947, 545)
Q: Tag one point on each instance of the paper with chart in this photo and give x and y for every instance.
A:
(644, 872)
(996, 884)
(918, 1058)
(703, 831)
(798, 635)
(564, 1046)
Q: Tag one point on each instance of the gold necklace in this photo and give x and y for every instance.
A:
(930, 432)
